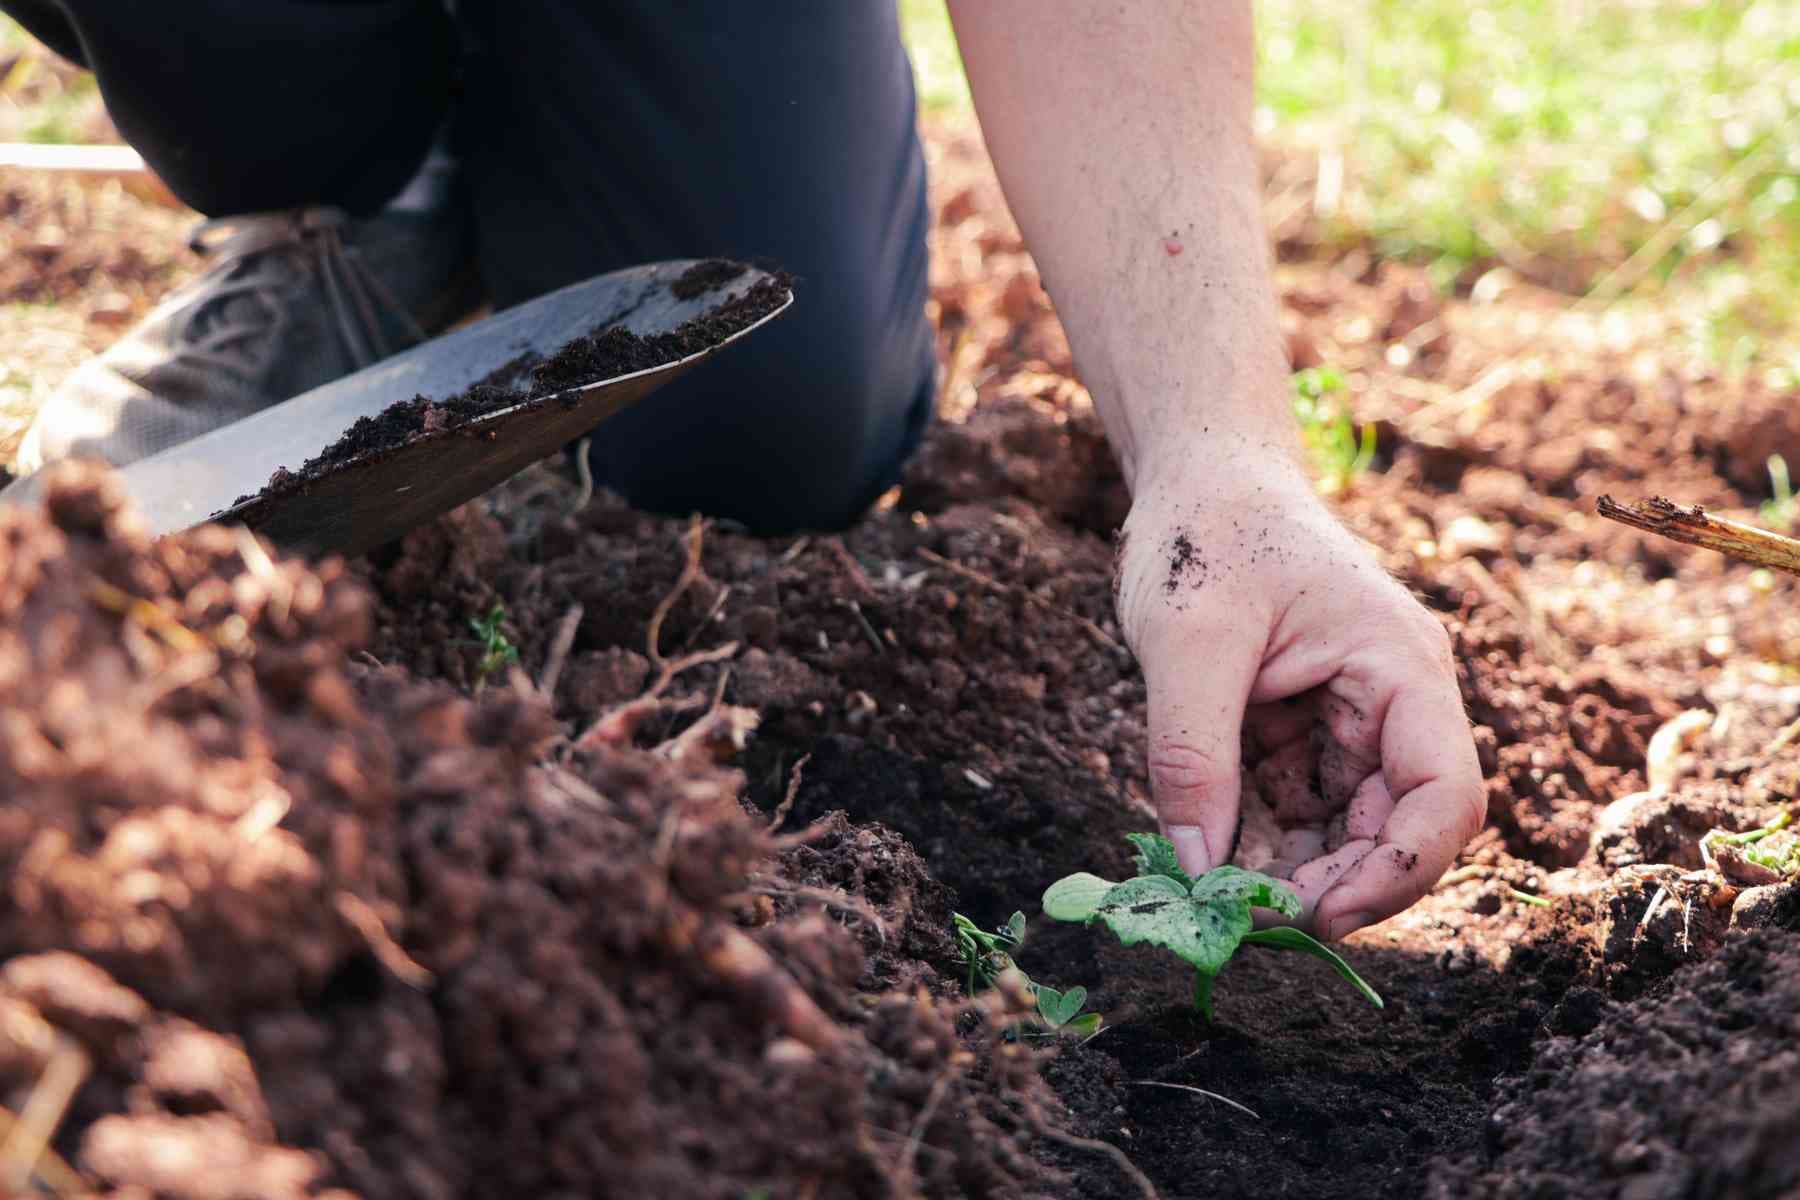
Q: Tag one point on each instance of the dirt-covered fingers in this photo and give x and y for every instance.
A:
(1314, 878)
(1430, 773)
(1198, 677)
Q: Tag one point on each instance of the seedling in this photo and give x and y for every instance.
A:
(987, 956)
(1774, 847)
(1778, 509)
(496, 650)
(1202, 920)
(1339, 449)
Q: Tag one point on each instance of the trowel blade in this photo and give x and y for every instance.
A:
(373, 499)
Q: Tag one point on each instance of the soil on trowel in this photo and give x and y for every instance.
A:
(705, 276)
(603, 354)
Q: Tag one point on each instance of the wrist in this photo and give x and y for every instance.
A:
(1213, 467)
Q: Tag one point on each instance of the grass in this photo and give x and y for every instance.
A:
(42, 98)
(1339, 448)
(1555, 137)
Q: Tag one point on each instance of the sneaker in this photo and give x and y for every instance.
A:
(294, 300)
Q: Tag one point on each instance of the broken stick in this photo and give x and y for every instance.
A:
(1696, 527)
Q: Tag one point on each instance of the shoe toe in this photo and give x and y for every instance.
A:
(98, 412)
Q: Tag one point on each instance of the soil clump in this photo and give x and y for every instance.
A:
(313, 929)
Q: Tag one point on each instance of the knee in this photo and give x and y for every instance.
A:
(802, 426)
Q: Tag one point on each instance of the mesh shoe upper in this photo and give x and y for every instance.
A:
(293, 300)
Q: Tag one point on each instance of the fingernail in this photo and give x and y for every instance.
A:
(1348, 923)
(1191, 849)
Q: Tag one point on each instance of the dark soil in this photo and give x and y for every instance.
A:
(944, 691)
(706, 276)
(600, 355)
(1695, 1093)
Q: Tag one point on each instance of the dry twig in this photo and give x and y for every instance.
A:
(560, 645)
(1696, 527)
(28, 1138)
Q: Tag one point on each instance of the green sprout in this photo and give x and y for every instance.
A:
(496, 651)
(987, 956)
(1778, 509)
(1201, 920)
(1527, 898)
(1339, 449)
(1774, 846)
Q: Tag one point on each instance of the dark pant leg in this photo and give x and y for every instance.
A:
(249, 105)
(598, 136)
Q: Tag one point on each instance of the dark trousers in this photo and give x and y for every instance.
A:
(593, 135)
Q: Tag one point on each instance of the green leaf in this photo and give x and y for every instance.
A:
(1086, 1026)
(1285, 937)
(1203, 922)
(1156, 909)
(1068, 1006)
(1075, 897)
(1233, 885)
(1015, 928)
(1156, 856)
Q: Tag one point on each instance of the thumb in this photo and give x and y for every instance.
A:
(1199, 678)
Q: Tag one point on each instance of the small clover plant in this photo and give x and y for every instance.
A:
(1202, 920)
(987, 956)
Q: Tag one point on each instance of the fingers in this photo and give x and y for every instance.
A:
(1433, 782)
(1199, 678)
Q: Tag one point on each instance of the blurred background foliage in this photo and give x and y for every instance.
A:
(1617, 150)
(1609, 149)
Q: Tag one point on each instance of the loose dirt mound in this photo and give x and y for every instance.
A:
(299, 926)
(1695, 1093)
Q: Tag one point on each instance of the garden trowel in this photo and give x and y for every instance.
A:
(376, 497)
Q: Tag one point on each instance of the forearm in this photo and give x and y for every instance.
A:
(1123, 140)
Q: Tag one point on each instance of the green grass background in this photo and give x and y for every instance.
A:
(1555, 137)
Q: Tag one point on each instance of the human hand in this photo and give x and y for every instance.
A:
(1260, 620)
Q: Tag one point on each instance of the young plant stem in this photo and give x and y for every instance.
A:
(1696, 527)
(1203, 986)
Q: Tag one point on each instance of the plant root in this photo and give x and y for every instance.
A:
(738, 959)
(793, 793)
(1042, 1127)
(1188, 1087)
(619, 725)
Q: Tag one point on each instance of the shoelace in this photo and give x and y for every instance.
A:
(352, 291)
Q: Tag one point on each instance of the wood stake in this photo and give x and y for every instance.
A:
(1696, 527)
